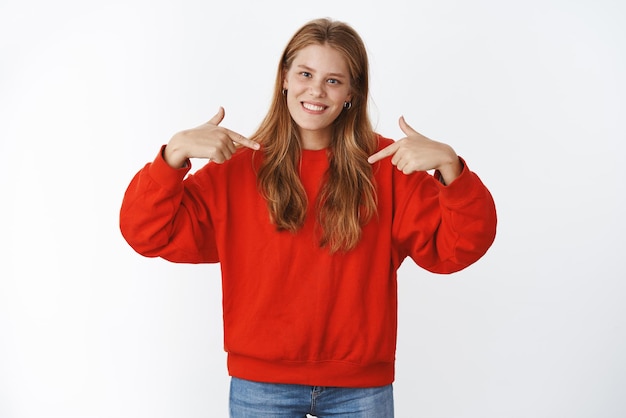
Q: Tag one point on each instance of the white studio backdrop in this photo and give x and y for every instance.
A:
(532, 94)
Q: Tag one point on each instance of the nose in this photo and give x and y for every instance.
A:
(316, 89)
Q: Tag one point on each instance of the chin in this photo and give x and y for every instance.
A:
(309, 125)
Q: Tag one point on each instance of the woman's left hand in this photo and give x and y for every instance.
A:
(415, 152)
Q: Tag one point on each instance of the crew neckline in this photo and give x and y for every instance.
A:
(315, 154)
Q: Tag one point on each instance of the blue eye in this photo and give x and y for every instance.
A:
(332, 81)
(305, 74)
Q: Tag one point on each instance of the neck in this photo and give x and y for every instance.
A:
(314, 140)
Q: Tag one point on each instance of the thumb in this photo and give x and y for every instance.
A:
(405, 127)
(219, 116)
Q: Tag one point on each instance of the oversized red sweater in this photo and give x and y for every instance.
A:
(294, 312)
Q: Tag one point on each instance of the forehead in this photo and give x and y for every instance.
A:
(322, 58)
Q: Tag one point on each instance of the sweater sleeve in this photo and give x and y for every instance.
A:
(444, 228)
(164, 215)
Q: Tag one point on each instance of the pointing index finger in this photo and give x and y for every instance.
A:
(388, 151)
(242, 140)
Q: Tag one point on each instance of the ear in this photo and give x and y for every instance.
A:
(285, 83)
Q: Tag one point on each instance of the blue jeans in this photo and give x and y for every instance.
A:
(256, 400)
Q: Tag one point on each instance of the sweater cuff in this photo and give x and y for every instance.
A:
(164, 175)
(461, 189)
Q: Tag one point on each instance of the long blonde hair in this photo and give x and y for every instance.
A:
(347, 199)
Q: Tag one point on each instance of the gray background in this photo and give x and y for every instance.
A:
(531, 93)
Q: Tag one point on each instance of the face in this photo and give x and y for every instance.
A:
(318, 84)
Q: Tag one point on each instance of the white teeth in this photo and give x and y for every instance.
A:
(313, 107)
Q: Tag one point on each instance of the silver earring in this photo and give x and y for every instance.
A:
(347, 105)
(284, 92)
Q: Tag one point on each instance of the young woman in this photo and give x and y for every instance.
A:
(310, 219)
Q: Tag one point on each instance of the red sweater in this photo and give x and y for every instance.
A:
(293, 312)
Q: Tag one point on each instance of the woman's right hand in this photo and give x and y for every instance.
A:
(208, 140)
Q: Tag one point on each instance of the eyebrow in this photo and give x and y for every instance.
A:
(311, 70)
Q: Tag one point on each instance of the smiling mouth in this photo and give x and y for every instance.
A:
(313, 107)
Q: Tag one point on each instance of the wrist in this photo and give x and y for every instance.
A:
(174, 154)
(451, 169)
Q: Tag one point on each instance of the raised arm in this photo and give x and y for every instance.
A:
(164, 215)
(444, 223)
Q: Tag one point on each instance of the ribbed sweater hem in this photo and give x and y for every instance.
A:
(314, 373)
